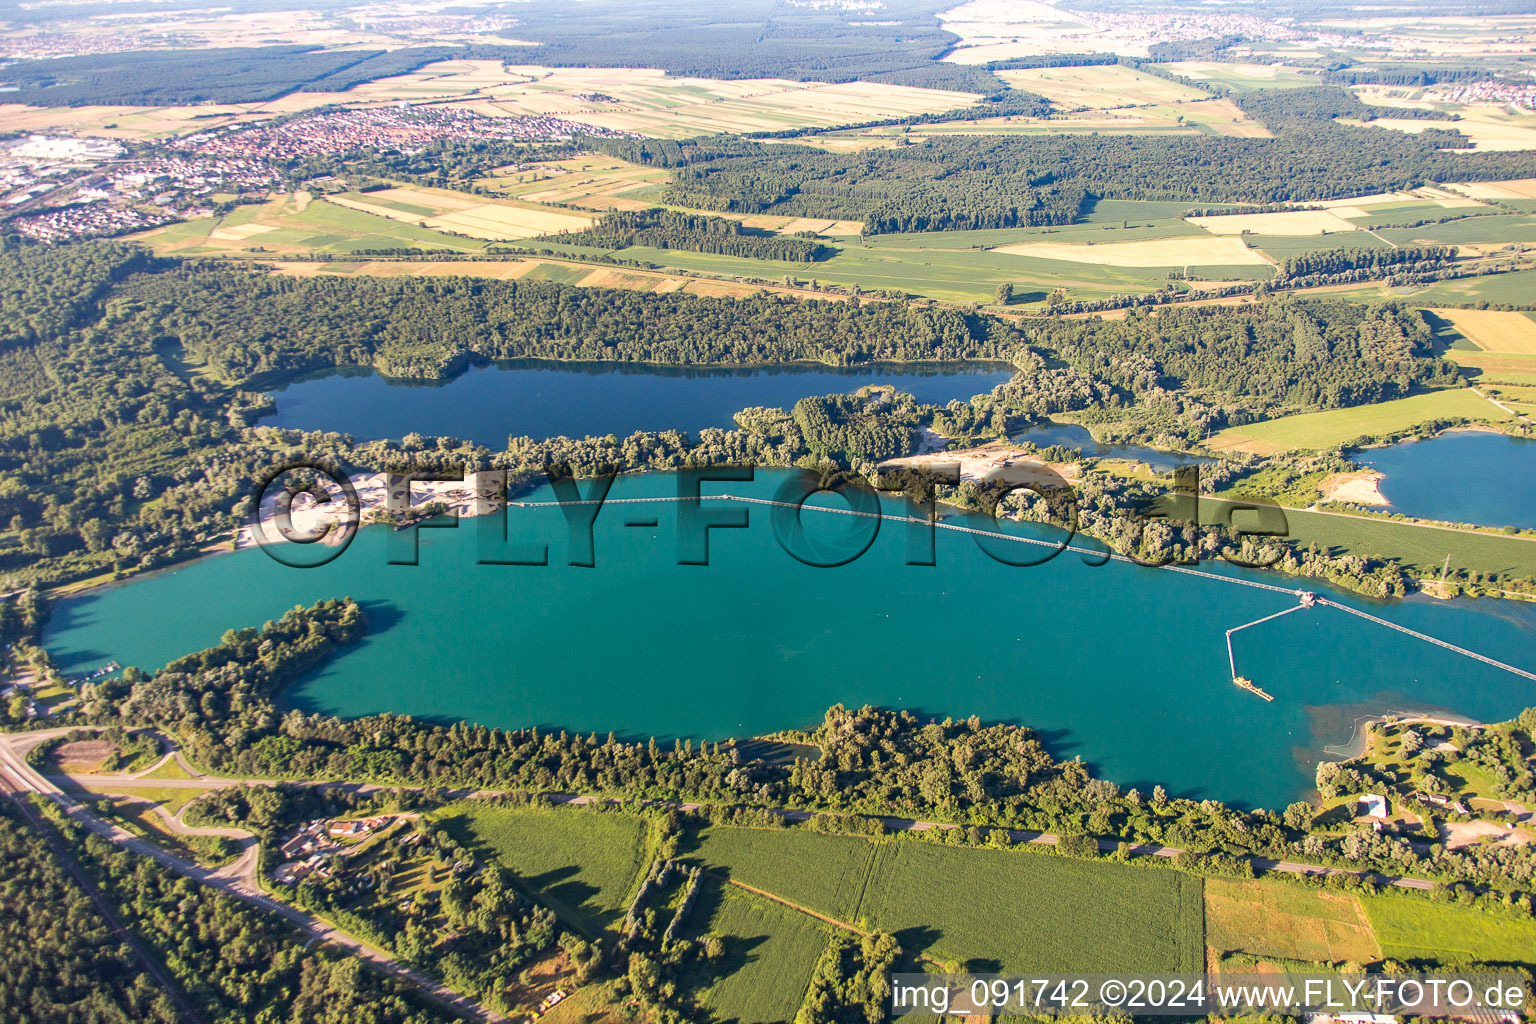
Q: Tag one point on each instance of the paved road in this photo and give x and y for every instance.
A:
(237, 880)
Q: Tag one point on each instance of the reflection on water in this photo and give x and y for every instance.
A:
(1072, 436)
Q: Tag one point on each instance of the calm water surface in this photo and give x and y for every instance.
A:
(539, 398)
(1072, 436)
(1461, 477)
(1125, 666)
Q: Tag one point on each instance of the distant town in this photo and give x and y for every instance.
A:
(59, 188)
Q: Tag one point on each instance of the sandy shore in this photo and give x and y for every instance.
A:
(1361, 488)
(996, 462)
(310, 517)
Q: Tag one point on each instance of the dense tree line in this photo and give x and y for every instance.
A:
(1409, 259)
(852, 981)
(63, 962)
(1285, 352)
(46, 292)
(759, 39)
(164, 77)
(237, 962)
(244, 324)
(673, 229)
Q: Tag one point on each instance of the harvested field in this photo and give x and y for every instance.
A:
(1270, 918)
(1300, 222)
(1100, 86)
(1204, 251)
(653, 103)
(1523, 188)
(462, 214)
(1504, 333)
(1490, 134)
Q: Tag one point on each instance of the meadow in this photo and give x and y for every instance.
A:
(289, 225)
(822, 872)
(1314, 430)
(1100, 86)
(1420, 549)
(770, 952)
(1277, 919)
(584, 865)
(1411, 927)
(1244, 77)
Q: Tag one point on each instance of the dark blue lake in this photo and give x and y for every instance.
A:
(1463, 477)
(538, 398)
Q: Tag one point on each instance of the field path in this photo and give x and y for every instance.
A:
(765, 894)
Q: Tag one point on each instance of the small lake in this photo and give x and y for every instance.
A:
(540, 398)
(1462, 477)
(1072, 436)
(1123, 665)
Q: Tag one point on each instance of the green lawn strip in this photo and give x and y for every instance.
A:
(1413, 927)
(1314, 430)
(1419, 548)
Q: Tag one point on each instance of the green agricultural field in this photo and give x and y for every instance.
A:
(958, 266)
(1316, 430)
(1410, 927)
(770, 952)
(585, 865)
(1517, 288)
(1420, 549)
(996, 909)
(824, 873)
(1001, 910)
(1497, 228)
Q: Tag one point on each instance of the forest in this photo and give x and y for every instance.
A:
(65, 963)
(116, 457)
(999, 182)
(673, 229)
(246, 324)
(221, 75)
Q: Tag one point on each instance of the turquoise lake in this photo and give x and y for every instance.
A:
(540, 398)
(1121, 665)
(1461, 477)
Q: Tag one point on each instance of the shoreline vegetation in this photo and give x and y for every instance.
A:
(845, 766)
(162, 452)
